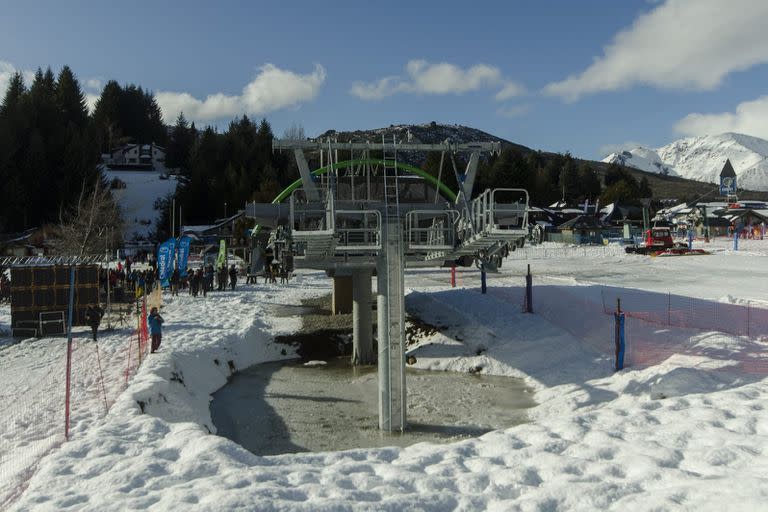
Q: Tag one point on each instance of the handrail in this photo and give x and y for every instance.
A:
(441, 234)
(370, 236)
(322, 212)
(521, 208)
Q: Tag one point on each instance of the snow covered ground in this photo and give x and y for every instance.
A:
(137, 199)
(598, 439)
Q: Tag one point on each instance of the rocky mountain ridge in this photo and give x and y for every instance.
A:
(702, 159)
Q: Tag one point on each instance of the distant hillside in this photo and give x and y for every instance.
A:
(429, 133)
(663, 186)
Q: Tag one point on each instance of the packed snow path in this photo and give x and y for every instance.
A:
(599, 440)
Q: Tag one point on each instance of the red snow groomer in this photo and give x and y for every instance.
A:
(658, 242)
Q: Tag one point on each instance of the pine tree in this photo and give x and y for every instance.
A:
(106, 117)
(588, 183)
(13, 96)
(70, 100)
(645, 188)
(179, 145)
(568, 179)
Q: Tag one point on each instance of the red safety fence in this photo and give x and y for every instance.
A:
(33, 414)
(688, 312)
(657, 325)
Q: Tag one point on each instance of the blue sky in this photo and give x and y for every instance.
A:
(554, 75)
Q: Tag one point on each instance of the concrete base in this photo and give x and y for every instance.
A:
(341, 300)
(362, 321)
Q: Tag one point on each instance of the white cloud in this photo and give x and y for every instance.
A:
(441, 78)
(514, 110)
(93, 84)
(750, 117)
(510, 90)
(680, 44)
(272, 89)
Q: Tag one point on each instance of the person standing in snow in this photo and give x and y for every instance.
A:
(93, 318)
(232, 277)
(208, 279)
(155, 324)
(194, 283)
(175, 282)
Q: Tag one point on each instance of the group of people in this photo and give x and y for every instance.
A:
(201, 281)
(134, 281)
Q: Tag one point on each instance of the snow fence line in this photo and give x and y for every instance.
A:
(65, 401)
(656, 325)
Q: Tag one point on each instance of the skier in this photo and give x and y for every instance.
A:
(155, 324)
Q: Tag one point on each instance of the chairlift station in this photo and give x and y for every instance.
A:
(380, 215)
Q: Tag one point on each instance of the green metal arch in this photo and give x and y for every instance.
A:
(450, 194)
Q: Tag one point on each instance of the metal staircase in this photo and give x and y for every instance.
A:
(392, 388)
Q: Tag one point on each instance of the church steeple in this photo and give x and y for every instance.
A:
(727, 171)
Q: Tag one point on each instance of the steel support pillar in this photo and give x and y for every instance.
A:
(470, 173)
(391, 331)
(362, 318)
(306, 176)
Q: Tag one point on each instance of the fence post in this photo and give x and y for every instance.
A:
(453, 276)
(735, 239)
(69, 350)
(482, 279)
(619, 336)
(669, 309)
(529, 291)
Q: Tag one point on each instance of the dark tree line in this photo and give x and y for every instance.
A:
(50, 147)
(127, 114)
(47, 149)
(217, 169)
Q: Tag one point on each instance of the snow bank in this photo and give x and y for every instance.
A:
(599, 440)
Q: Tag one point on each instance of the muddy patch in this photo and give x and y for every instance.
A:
(322, 344)
(288, 407)
(324, 335)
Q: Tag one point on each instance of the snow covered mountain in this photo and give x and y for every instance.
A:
(645, 159)
(702, 159)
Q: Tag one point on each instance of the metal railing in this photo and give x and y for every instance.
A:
(431, 229)
(309, 216)
(51, 260)
(357, 230)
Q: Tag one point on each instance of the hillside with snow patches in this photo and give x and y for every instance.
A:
(702, 159)
(137, 199)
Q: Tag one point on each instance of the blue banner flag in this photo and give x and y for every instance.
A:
(165, 255)
(183, 255)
